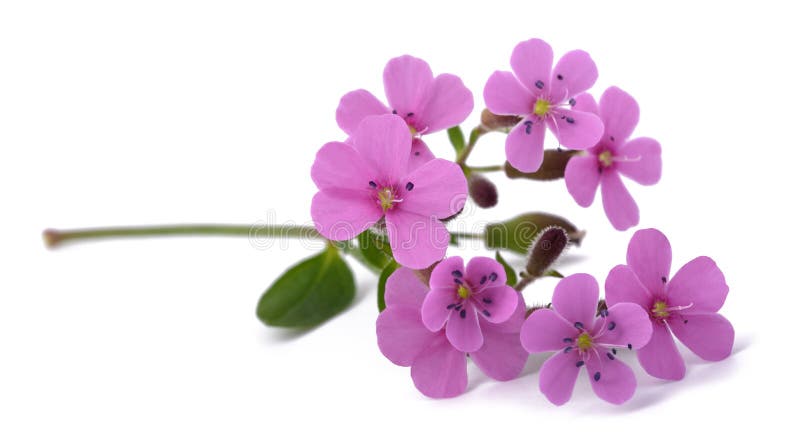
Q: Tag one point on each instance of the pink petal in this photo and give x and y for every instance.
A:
(501, 357)
(622, 285)
(417, 241)
(618, 203)
(582, 177)
(446, 272)
(698, 285)
(401, 334)
(615, 382)
(464, 330)
(404, 288)
(440, 371)
(575, 129)
(545, 330)
(709, 336)
(406, 80)
(504, 95)
(514, 323)
(558, 375)
(340, 214)
(620, 113)
(627, 324)
(650, 257)
(641, 160)
(420, 154)
(384, 141)
(585, 103)
(435, 311)
(497, 303)
(575, 299)
(355, 106)
(574, 73)
(449, 104)
(338, 165)
(660, 357)
(525, 145)
(531, 62)
(481, 266)
(438, 188)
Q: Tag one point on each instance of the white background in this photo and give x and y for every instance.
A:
(165, 111)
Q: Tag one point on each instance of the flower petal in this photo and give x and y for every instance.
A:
(464, 330)
(660, 357)
(355, 106)
(504, 95)
(449, 104)
(446, 272)
(340, 214)
(440, 371)
(558, 375)
(709, 336)
(585, 103)
(620, 114)
(404, 288)
(622, 285)
(575, 129)
(438, 188)
(618, 203)
(642, 160)
(420, 154)
(406, 80)
(417, 241)
(615, 382)
(545, 330)
(625, 324)
(401, 334)
(575, 299)
(574, 73)
(339, 166)
(582, 177)
(699, 285)
(497, 303)
(531, 61)
(384, 141)
(650, 257)
(501, 357)
(438, 307)
(482, 266)
(514, 323)
(525, 145)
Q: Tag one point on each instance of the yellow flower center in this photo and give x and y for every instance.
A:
(463, 292)
(412, 130)
(584, 341)
(386, 198)
(541, 108)
(606, 158)
(659, 310)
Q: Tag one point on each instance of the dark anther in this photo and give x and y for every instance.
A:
(568, 339)
(394, 111)
(486, 312)
(572, 102)
(612, 325)
(560, 77)
(458, 281)
(463, 314)
(630, 347)
(458, 307)
(596, 376)
(493, 276)
(610, 356)
(579, 364)
(599, 169)
(664, 279)
(416, 154)
(483, 279)
(410, 114)
(539, 84)
(614, 350)
(570, 120)
(567, 350)
(372, 184)
(457, 273)
(528, 125)
(603, 313)
(487, 300)
(579, 325)
(449, 307)
(685, 321)
(409, 186)
(612, 138)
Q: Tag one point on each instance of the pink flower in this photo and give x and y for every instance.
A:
(467, 299)
(614, 155)
(367, 181)
(581, 339)
(426, 103)
(540, 97)
(439, 370)
(686, 305)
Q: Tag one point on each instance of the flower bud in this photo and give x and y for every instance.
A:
(482, 191)
(546, 249)
(517, 234)
(492, 121)
(553, 166)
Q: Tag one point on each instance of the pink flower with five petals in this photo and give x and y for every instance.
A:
(369, 180)
(614, 155)
(438, 369)
(541, 96)
(581, 339)
(465, 300)
(685, 305)
(426, 103)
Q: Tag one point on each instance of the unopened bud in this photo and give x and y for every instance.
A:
(553, 166)
(482, 191)
(546, 249)
(492, 121)
(517, 234)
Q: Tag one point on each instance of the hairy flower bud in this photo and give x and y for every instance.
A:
(517, 234)
(545, 250)
(553, 166)
(492, 121)
(482, 191)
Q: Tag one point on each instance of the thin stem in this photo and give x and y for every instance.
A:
(467, 235)
(473, 139)
(498, 168)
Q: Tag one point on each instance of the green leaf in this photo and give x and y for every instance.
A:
(456, 138)
(372, 250)
(385, 274)
(511, 275)
(309, 293)
(554, 273)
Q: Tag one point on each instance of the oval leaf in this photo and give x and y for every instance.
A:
(456, 138)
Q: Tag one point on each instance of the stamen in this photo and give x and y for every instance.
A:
(560, 77)
(572, 102)
(614, 350)
(568, 340)
(630, 347)
(457, 273)
(579, 325)
(394, 111)
(373, 184)
(457, 281)
(487, 301)
(612, 325)
(596, 376)
(603, 313)
(409, 186)
(579, 364)
(483, 279)
(463, 314)
(450, 307)
(664, 279)
(570, 120)
(486, 312)
(539, 84)
(410, 114)
(567, 349)
(610, 356)
(528, 126)
(493, 277)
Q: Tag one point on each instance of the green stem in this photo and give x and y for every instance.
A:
(473, 139)
(498, 168)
